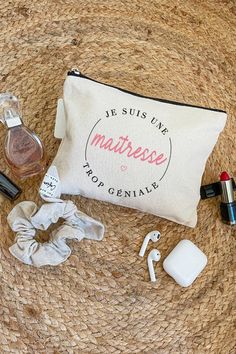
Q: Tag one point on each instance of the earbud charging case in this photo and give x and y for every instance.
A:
(185, 262)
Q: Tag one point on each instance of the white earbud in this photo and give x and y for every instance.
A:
(154, 236)
(154, 255)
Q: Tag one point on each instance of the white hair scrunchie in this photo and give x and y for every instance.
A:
(25, 218)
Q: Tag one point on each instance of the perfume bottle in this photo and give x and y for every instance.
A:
(23, 150)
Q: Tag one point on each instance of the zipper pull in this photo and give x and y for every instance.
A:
(74, 71)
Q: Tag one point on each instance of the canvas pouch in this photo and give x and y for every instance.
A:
(135, 151)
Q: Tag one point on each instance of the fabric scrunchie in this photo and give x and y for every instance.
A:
(25, 218)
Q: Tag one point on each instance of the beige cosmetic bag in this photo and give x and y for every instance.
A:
(135, 151)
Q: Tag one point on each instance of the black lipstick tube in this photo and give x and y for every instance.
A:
(8, 188)
(213, 189)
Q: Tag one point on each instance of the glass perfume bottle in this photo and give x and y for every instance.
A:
(23, 150)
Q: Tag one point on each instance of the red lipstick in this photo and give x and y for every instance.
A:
(228, 204)
(224, 176)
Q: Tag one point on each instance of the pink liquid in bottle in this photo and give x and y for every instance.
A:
(23, 150)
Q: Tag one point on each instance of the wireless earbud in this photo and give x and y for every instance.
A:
(154, 255)
(154, 236)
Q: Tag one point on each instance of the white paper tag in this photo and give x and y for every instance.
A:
(60, 124)
(49, 186)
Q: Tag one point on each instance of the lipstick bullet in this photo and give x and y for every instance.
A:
(228, 204)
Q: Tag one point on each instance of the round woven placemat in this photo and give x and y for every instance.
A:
(100, 300)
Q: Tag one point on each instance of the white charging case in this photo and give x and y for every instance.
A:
(185, 262)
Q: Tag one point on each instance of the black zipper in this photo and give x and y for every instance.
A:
(77, 73)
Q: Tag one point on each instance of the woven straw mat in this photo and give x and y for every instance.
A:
(100, 300)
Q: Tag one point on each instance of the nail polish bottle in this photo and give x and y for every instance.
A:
(23, 150)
